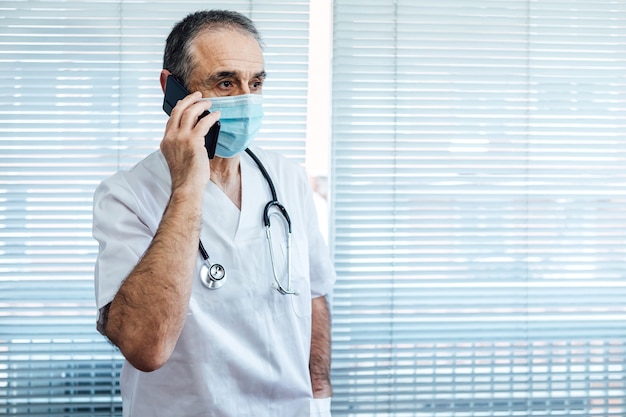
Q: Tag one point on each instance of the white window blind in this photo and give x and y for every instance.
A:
(479, 203)
(81, 99)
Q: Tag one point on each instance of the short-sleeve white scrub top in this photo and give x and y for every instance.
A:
(244, 348)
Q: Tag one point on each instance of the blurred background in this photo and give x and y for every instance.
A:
(469, 161)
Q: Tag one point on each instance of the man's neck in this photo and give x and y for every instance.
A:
(226, 174)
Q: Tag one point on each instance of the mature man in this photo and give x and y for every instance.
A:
(216, 313)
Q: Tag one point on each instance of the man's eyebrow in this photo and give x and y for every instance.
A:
(232, 74)
(222, 74)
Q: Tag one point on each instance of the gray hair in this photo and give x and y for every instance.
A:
(177, 57)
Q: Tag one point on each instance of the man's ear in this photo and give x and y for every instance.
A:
(163, 78)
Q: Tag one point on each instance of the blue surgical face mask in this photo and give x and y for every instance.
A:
(240, 120)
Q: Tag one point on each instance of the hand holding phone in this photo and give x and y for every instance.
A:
(175, 91)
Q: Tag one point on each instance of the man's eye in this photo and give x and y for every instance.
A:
(227, 84)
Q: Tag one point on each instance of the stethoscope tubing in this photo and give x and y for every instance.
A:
(213, 275)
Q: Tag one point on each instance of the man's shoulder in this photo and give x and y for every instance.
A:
(287, 174)
(276, 161)
(146, 184)
(152, 168)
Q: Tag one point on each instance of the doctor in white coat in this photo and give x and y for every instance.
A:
(259, 345)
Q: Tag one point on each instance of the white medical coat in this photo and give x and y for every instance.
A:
(244, 348)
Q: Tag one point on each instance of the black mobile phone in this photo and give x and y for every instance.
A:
(175, 91)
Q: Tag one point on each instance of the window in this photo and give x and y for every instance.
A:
(479, 212)
(81, 94)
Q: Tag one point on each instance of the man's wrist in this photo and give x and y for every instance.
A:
(322, 390)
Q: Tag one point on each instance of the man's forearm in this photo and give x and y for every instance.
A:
(147, 314)
(319, 361)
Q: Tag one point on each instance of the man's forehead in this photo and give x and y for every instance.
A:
(226, 41)
(233, 48)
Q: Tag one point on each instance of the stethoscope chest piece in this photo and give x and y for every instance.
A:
(212, 275)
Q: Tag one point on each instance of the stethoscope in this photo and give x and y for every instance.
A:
(213, 275)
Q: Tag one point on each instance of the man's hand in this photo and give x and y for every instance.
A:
(183, 142)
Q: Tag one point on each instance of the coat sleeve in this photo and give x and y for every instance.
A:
(121, 234)
(322, 272)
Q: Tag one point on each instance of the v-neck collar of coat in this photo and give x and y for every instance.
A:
(227, 217)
